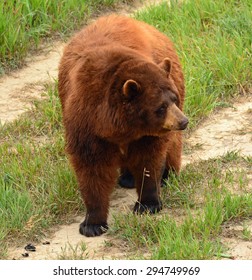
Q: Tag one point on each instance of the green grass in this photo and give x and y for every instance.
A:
(37, 185)
(204, 208)
(213, 40)
(36, 179)
(24, 23)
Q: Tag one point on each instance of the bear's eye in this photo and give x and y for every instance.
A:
(161, 111)
(175, 99)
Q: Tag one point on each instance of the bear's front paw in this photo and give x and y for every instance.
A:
(93, 230)
(149, 207)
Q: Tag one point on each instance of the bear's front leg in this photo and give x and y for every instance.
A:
(148, 189)
(96, 182)
(95, 222)
(147, 157)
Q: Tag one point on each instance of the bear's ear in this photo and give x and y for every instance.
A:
(166, 65)
(130, 89)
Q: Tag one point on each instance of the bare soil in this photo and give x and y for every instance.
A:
(228, 129)
(19, 88)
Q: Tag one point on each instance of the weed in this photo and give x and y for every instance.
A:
(246, 233)
(70, 252)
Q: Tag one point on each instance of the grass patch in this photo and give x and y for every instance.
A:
(23, 24)
(70, 252)
(205, 204)
(213, 40)
(37, 183)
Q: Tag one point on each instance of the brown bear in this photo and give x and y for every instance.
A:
(122, 92)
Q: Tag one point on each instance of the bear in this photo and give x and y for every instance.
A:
(121, 88)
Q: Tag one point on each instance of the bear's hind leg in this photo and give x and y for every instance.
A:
(126, 179)
(174, 154)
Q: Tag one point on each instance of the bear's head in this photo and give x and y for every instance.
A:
(149, 101)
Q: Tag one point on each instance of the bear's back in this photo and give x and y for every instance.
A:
(124, 31)
(110, 31)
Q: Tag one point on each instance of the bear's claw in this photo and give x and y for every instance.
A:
(92, 230)
(151, 208)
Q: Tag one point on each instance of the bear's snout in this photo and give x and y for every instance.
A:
(175, 119)
(183, 124)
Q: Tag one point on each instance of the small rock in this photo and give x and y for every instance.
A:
(26, 255)
(30, 247)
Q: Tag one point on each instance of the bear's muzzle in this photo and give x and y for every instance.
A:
(175, 119)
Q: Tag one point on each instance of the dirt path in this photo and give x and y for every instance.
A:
(19, 88)
(227, 130)
(67, 243)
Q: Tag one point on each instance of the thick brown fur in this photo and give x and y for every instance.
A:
(122, 92)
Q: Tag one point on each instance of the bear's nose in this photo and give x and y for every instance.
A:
(183, 123)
